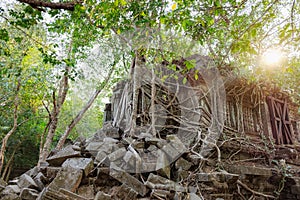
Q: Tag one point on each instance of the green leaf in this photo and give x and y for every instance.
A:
(4, 35)
(184, 80)
(190, 64)
(196, 76)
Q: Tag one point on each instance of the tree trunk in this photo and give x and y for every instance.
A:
(57, 104)
(6, 172)
(83, 110)
(13, 129)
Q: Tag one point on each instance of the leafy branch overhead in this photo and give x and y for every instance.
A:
(40, 5)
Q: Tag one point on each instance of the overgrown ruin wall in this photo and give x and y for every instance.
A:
(125, 162)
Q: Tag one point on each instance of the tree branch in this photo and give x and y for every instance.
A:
(13, 129)
(59, 6)
(84, 109)
(255, 192)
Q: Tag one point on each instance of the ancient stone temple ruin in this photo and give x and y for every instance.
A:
(198, 134)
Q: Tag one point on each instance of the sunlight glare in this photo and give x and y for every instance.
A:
(272, 57)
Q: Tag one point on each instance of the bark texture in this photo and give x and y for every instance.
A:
(53, 5)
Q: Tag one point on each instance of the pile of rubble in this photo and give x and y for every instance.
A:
(108, 166)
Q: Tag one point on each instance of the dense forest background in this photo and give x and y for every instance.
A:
(60, 59)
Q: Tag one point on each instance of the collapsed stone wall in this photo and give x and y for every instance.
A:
(114, 165)
(106, 167)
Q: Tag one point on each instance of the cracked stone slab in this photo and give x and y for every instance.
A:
(67, 178)
(128, 180)
(61, 156)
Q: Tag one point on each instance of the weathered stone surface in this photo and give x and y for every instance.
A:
(13, 182)
(67, 178)
(29, 194)
(182, 174)
(242, 169)
(85, 164)
(221, 196)
(107, 146)
(110, 131)
(138, 144)
(193, 196)
(161, 194)
(152, 148)
(102, 196)
(33, 172)
(295, 189)
(128, 180)
(49, 194)
(174, 148)
(130, 160)
(163, 164)
(11, 189)
(11, 196)
(86, 191)
(61, 156)
(149, 161)
(71, 195)
(76, 147)
(51, 172)
(158, 182)
(116, 155)
(94, 147)
(152, 140)
(100, 156)
(26, 181)
(217, 176)
(126, 193)
(183, 164)
(109, 140)
(40, 179)
(44, 164)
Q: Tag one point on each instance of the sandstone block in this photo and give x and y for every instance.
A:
(85, 164)
(67, 178)
(61, 156)
(128, 180)
(26, 181)
(29, 194)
